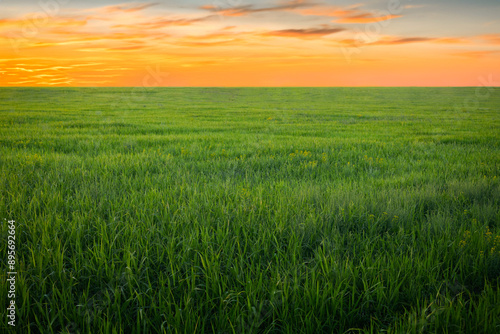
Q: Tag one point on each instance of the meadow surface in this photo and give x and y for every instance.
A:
(252, 210)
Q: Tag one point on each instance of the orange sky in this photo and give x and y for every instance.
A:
(238, 43)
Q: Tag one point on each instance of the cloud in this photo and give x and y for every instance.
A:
(218, 38)
(87, 64)
(23, 69)
(477, 54)
(53, 68)
(58, 79)
(366, 18)
(413, 6)
(201, 44)
(250, 9)
(329, 11)
(127, 48)
(214, 39)
(21, 82)
(99, 75)
(451, 40)
(96, 39)
(304, 33)
(127, 8)
(112, 69)
(407, 40)
(349, 14)
(386, 40)
(55, 83)
(162, 22)
(94, 82)
(32, 25)
(491, 38)
(45, 75)
(216, 35)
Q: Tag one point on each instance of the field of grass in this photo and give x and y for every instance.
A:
(252, 210)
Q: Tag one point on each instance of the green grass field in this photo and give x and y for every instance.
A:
(252, 210)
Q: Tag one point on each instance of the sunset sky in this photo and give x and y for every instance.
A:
(250, 43)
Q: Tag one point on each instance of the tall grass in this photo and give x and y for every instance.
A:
(283, 210)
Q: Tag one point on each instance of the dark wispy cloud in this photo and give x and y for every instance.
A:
(407, 40)
(493, 39)
(304, 33)
(346, 14)
(250, 9)
(386, 40)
